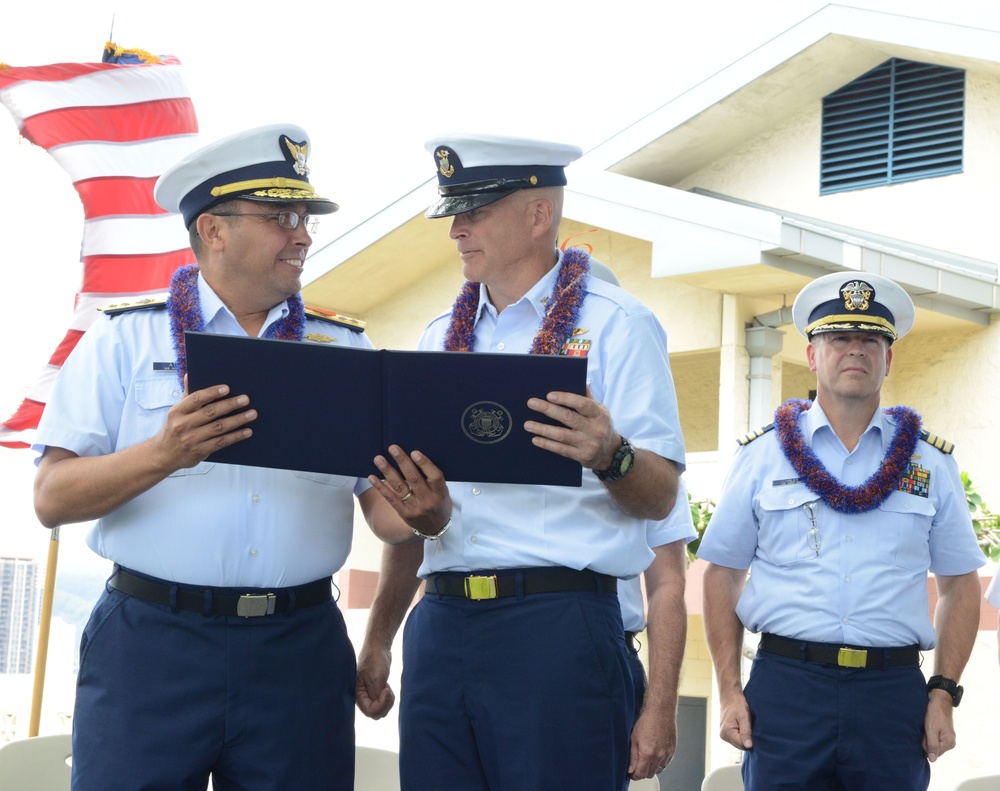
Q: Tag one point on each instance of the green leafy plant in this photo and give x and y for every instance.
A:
(701, 513)
(985, 522)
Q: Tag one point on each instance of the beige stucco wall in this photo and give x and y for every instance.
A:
(780, 168)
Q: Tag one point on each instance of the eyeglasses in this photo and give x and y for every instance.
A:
(286, 219)
(812, 511)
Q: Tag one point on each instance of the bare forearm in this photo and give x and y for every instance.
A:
(397, 585)
(666, 628)
(71, 488)
(649, 490)
(723, 629)
(956, 620)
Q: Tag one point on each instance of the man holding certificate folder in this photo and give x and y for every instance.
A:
(217, 648)
(515, 673)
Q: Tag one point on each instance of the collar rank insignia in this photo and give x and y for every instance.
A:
(916, 480)
(576, 348)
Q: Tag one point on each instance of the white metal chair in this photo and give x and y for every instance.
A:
(40, 763)
(376, 770)
(724, 778)
(986, 783)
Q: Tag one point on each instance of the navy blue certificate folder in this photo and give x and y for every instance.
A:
(332, 409)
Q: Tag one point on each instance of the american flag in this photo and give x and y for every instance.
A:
(113, 126)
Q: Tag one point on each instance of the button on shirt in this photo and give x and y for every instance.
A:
(212, 524)
(859, 579)
(506, 525)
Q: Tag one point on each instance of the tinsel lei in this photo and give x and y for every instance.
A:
(847, 499)
(184, 310)
(560, 318)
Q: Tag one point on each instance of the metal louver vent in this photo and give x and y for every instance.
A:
(899, 122)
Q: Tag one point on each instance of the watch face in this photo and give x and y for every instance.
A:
(626, 464)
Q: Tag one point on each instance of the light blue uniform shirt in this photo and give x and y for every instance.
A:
(506, 525)
(867, 583)
(678, 526)
(213, 524)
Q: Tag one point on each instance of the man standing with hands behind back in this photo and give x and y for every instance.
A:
(839, 509)
(515, 672)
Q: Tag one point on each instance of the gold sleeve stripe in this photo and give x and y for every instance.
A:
(746, 439)
(125, 307)
(938, 442)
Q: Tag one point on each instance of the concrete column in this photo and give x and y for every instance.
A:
(762, 344)
(733, 372)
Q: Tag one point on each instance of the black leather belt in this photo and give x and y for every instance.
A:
(842, 656)
(222, 601)
(504, 583)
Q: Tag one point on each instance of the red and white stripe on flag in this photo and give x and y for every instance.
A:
(114, 127)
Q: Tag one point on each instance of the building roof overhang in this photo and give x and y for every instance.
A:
(776, 80)
(709, 240)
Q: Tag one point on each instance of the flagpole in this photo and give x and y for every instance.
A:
(43, 632)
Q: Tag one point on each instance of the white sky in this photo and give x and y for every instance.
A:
(370, 82)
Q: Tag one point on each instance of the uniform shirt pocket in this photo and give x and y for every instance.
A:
(784, 525)
(154, 396)
(904, 526)
(325, 478)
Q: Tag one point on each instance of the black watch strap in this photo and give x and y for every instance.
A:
(621, 464)
(948, 685)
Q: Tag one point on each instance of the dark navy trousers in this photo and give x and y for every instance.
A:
(516, 694)
(821, 727)
(166, 698)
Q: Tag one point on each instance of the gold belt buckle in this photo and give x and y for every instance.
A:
(254, 605)
(477, 588)
(852, 657)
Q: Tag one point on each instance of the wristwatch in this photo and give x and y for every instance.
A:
(949, 686)
(621, 464)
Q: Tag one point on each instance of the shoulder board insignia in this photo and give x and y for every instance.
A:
(126, 307)
(938, 442)
(746, 439)
(354, 325)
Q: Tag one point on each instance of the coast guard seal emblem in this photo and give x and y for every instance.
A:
(486, 422)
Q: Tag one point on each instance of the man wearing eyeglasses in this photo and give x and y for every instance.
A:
(839, 509)
(217, 648)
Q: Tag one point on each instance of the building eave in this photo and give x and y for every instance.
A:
(778, 79)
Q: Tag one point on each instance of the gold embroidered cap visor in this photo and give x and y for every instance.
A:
(268, 164)
(476, 170)
(853, 302)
